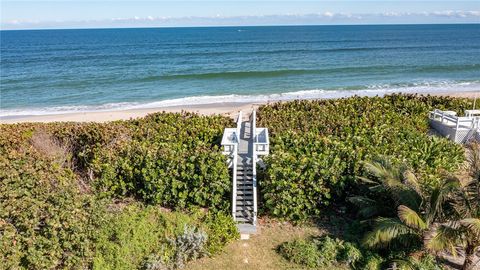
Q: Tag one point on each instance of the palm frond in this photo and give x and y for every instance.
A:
(444, 237)
(367, 207)
(439, 195)
(361, 201)
(408, 196)
(398, 181)
(384, 170)
(410, 179)
(467, 199)
(472, 224)
(411, 218)
(367, 180)
(473, 159)
(385, 230)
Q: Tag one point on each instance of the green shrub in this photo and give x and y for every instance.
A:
(190, 245)
(170, 159)
(45, 221)
(130, 235)
(301, 251)
(350, 254)
(372, 261)
(56, 181)
(427, 262)
(137, 236)
(323, 252)
(329, 250)
(318, 147)
(221, 230)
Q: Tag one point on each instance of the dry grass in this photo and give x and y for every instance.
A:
(48, 146)
(260, 251)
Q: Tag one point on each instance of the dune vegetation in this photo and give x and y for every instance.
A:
(373, 164)
(154, 193)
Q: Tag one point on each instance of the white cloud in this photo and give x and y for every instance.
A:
(328, 14)
(446, 16)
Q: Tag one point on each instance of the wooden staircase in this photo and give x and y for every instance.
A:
(244, 212)
(240, 145)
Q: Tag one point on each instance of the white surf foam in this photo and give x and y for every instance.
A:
(374, 90)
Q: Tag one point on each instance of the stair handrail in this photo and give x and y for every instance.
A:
(234, 184)
(239, 125)
(254, 164)
(235, 163)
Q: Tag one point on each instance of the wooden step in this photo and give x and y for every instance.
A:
(248, 197)
(239, 173)
(244, 185)
(245, 181)
(244, 214)
(240, 208)
(247, 192)
(244, 203)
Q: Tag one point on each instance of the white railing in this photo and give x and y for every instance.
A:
(472, 113)
(458, 129)
(239, 124)
(235, 164)
(234, 184)
(450, 118)
(230, 148)
(230, 140)
(254, 166)
(262, 142)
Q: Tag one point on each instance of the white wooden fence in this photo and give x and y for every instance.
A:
(456, 128)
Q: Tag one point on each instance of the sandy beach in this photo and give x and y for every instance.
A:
(227, 109)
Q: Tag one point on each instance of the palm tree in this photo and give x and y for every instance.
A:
(464, 230)
(415, 210)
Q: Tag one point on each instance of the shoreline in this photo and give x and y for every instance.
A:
(223, 108)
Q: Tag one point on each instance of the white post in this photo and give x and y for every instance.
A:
(254, 166)
(234, 189)
(456, 130)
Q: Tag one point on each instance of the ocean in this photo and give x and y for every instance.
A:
(59, 71)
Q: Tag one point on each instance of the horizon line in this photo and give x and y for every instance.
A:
(231, 26)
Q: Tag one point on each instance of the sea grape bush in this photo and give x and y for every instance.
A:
(46, 222)
(318, 147)
(173, 160)
(170, 159)
(58, 180)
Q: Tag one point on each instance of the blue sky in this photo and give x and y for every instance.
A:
(18, 14)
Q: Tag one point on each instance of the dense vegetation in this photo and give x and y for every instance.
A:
(325, 252)
(318, 147)
(154, 193)
(373, 162)
(72, 195)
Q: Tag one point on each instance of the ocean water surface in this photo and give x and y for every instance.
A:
(57, 71)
